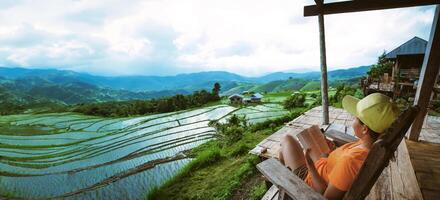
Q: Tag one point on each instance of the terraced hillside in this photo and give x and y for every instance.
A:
(72, 156)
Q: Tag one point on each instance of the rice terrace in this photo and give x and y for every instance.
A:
(68, 155)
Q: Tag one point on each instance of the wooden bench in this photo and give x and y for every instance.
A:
(291, 186)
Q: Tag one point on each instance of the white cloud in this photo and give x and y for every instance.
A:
(249, 37)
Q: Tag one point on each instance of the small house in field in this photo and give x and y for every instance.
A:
(236, 99)
(256, 98)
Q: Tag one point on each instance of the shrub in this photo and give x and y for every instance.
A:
(341, 92)
(295, 101)
(205, 158)
(234, 120)
(359, 94)
(233, 134)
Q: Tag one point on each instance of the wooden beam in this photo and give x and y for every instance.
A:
(323, 58)
(428, 74)
(363, 5)
(286, 181)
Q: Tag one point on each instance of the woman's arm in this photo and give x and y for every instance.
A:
(319, 183)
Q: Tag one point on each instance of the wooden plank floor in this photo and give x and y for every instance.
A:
(425, 158)
(431, 130)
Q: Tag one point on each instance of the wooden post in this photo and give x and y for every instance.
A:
(324, 85)
(396, 75)
(428, 74)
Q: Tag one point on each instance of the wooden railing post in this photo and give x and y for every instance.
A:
(324, 84)
(428, 74)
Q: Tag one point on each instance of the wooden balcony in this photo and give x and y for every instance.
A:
(413, 174)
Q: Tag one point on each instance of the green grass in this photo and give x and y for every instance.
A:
(212, 175)
(276, 97)
(278, 94)
(219, 169)
(312, 85)
(258, 191)
(212, 103)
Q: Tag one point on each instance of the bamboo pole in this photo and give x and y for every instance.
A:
(323, 57)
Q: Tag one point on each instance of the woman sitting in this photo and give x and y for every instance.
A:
(333, 174)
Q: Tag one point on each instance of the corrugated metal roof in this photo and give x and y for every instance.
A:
(257, 95)
(414, 46)
(235, 95)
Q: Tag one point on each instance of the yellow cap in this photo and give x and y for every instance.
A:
(376, 110)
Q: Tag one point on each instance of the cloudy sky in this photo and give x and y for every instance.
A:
(166, 37)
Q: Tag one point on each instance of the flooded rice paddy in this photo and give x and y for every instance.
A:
(72, 156)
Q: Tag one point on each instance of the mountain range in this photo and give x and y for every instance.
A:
(69, 87)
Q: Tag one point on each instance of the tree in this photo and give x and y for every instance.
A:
(216, 91)
(136, 107)
(295, 101)
(234, 120)
(342, 91)
(231, 131)
(383, 65)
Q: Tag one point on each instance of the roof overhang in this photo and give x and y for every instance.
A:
(363, 5)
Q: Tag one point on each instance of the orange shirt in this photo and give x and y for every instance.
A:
(341, 166)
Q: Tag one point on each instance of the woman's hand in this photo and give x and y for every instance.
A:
(330, 144)
(309, 162)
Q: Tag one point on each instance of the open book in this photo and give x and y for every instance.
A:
(314, 139)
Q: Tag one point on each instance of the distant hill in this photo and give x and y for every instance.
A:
(290, 85)
(312, 85)
(332, 75)
(284, 76)
(281, 85)
(188, 82)
(31, 90)
(348, 73)
(182, 82)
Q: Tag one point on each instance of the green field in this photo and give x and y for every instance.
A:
(68, 155)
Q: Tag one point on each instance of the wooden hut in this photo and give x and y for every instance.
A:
(414, 172)
(236, 99)
(256, 98)
(407, 60)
